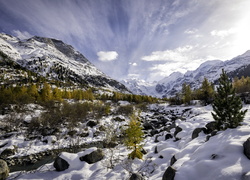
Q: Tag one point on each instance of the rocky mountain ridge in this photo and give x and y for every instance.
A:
(169, 86)
(56, 60)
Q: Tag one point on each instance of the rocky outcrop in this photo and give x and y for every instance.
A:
(4, 170)
(60, 164)
(93, 157)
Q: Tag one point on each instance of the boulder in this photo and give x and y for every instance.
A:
(211, 126)
(147, 126)
(136, 176)
(168, 136)
(91, 123)
(177, 130)
(196, 132)
(173, 160)
(246, 147)
(154, 132)
(93, 157)
(4, 170)
(60, 164)
(169, 173)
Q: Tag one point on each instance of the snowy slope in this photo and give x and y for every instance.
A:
(218, 158)
(210, 69)
(54, 59)
(141, 87)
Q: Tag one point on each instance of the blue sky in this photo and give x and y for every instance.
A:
(145, 39)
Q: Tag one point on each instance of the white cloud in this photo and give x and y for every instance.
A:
(223, 33)
(21, 35)
(107, 55)
(178, 54)
(190, 31)
(133, 64)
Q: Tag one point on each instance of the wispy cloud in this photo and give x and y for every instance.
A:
(178, 54)
(145, 33)
(107, 55)
(21, 35)
(223, 33)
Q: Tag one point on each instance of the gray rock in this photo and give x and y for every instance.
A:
(154, 132)
(177, 130)
(60, 164)
(196, 132)
(169, 174)
(136, 176)
(4, 170)
(93, 157)
(168, 136)
(147, 126)
(173, 160)
(246, 146)
(211, 126)
(91, 123)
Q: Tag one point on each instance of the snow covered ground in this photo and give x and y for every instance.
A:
(219, 158)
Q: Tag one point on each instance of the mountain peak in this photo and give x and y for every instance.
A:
(56, 60)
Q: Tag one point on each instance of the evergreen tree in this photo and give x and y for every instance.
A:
(227, 106)
(134, 137)
(206, 91)
(186, 93)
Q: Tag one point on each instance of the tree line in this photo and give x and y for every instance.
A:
(206, 91)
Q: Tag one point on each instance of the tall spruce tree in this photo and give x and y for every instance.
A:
(227, 106)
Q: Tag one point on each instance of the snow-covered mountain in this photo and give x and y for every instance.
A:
(56, 60)
(169, 86)
(140, 87)
(237, 66)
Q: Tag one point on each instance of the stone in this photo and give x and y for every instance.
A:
(93, 157)
(177, 130)
(147, 126)
(196, 132)
(169, 174)
(153, 132)
(60, 164)
(156, 138)
(91, 123)
(4, 170)
(246, 147)
(156, 150)
(211, 126)
(168, 136)
(136, 176)
(173, 160)
(143, 151)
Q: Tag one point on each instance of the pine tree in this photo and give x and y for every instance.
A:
(206, 91)
(186, 93)
(227, 106)
(134, 137)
